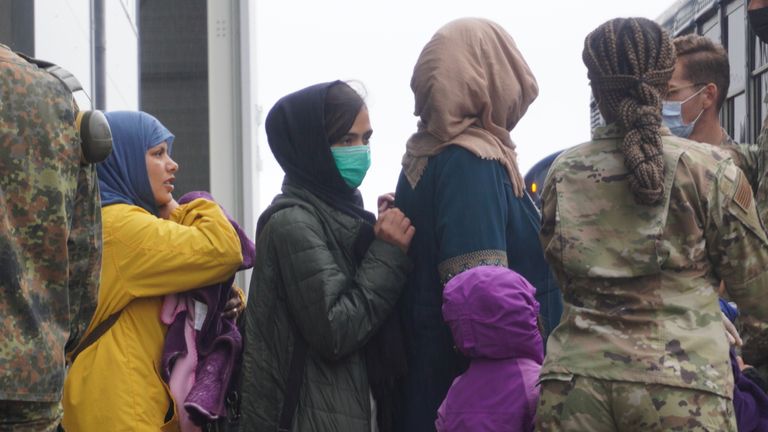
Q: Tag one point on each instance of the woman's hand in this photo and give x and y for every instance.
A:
(165, 210)
(741, 364)
(235, 304)
(730, 331)
(394, 228)
(386, 202)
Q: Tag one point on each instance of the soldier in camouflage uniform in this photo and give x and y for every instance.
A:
(702, 77)
(703, 63)
(700, 83)
(50, 242)
(640, 227)
(755, 349)
(758, 17)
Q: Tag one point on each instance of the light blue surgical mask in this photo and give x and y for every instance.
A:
(353, 163)
(672, 116)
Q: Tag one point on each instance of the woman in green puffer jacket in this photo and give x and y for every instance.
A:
(327, 273)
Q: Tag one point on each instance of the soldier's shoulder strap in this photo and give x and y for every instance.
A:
(63, 75)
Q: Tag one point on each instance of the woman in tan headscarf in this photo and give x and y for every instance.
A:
(461, 187)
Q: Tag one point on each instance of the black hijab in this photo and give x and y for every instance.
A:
(297, 137)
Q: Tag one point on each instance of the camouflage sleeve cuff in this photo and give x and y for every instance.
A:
(455, 265)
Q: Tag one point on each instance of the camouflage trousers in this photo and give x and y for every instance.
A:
(588, 404)
(17, 416)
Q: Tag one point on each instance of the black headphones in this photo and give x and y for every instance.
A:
(95, 135)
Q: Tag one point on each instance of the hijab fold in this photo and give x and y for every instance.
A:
(296, 135)
(471, 86)
(123, 176)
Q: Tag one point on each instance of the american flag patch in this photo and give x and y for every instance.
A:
(743, 196)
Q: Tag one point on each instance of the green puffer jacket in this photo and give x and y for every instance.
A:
(306, 284)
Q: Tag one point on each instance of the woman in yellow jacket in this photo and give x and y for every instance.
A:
(152, 247)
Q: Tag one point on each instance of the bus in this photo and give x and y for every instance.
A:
(534, 179)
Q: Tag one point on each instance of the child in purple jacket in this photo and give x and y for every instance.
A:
(750, 403)
(492, 313)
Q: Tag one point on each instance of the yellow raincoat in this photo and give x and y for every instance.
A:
(115, 385)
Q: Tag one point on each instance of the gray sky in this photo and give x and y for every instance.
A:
(303, 42)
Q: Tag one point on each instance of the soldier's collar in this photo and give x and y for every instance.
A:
(727, 140)
(613, 131)
(608, 131)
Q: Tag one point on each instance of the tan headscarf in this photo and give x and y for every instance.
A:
(472, 86)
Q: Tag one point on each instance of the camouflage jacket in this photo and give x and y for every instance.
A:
(50, 232)
(746, 157)
(639, 281)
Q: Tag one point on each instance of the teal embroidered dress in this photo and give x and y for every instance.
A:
(466, 215)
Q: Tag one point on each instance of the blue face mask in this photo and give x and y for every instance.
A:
(353, 163)
(672, 117)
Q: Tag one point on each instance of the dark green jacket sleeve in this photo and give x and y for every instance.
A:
(334, 312)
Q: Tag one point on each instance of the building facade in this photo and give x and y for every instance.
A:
(190, 63)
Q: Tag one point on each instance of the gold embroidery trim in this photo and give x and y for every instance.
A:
(743, 196)
(487, 257)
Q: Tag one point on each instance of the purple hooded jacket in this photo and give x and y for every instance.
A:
(492, 313)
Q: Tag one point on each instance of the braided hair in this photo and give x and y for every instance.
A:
(629, 63)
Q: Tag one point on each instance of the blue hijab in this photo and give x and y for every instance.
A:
(123, 175)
